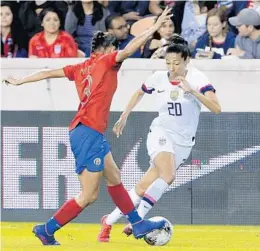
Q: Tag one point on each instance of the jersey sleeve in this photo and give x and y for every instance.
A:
(70, 71)
(203, 84)
(149, 85)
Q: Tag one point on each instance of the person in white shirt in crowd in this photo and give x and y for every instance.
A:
(194, 21)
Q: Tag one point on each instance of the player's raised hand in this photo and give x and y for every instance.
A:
(184, 84)
(12, 81)
(164, 17)
(119, 126)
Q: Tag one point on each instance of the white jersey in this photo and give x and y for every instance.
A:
(178, 111)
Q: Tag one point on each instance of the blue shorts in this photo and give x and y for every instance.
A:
(89, 148)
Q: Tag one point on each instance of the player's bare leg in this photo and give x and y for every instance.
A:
(89, 182)
(149, 177)
(165, 169)
(111, 171)
(123, 201)
(164, 162)
(90, 186)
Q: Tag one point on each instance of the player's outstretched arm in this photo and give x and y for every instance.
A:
(140, 40)
(120, 124)
(37, 76)
(135, 99)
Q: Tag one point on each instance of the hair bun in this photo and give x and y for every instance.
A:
(97, 40)
(101, 39)
(100, 35)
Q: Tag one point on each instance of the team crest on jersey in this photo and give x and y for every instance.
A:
(57, 49)
(174, 95)
(97, 161)
(162, 141)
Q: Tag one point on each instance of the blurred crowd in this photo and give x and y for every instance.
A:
(56, 29)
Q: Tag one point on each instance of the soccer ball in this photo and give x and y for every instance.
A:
(159, 237)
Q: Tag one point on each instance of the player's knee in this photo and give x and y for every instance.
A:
(82, 200)
(85, 199)
(93, 198)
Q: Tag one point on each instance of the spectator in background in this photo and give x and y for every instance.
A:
(209, 4)
(83, 19)
(14, 42)
(131, 11)
(15, 5)
(161, 37)
(104, 3)
(157, 7)
(216, 42)
(52, 42)
(29, 14)
(117, 25)
(248, 41)
(194, 22)
(234, 7)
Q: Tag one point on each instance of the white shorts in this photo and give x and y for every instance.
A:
(158, 140)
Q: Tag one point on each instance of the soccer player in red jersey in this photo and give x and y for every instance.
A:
(96, 82)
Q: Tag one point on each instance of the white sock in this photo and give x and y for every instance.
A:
(117, 214)
(151, 196)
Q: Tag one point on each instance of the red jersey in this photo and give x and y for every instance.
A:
(63, 47)
(7, 46)
(96, 83)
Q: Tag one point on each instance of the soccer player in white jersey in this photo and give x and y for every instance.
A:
(179, 93)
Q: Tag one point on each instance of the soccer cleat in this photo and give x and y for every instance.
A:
(104, 233)
(41, 234)
(128, 230)
(144, 227)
